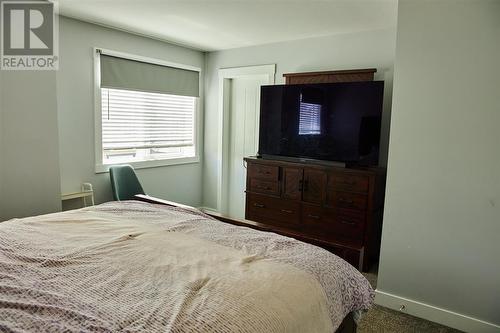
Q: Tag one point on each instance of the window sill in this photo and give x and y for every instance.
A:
(103, 168)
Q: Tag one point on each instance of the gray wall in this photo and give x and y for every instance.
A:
(29, 152)
(440, 243)
(180, 183)
(346, 51)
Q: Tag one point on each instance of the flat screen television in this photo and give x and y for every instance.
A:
(327, 121)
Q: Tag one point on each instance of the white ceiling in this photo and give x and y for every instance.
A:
(223, 24)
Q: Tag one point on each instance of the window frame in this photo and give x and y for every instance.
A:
(100, 167)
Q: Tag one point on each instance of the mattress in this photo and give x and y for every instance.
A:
(136, 267)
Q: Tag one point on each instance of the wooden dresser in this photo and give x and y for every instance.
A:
(337, 208)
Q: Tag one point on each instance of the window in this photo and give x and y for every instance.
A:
(142, 126)
(147, 113)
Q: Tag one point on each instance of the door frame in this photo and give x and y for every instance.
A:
(225, 77)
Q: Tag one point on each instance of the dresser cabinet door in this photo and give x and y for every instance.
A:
(292, 183)
(314, 188)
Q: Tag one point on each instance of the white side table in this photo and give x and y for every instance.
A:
(86, 193)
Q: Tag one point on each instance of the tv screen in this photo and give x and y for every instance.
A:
(327, 121)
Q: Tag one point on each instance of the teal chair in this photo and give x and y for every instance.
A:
(124, 182)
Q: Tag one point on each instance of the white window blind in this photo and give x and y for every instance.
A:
(139, 126)
(309, 119)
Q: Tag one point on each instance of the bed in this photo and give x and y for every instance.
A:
(133, 266)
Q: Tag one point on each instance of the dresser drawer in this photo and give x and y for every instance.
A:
(316, 216)
(347, 182)
(264, 172)
(264, 186)
(350, 223)
(332, 222)
(268, 209)
(348, 200)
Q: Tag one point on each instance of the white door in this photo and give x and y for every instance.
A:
(244, 108)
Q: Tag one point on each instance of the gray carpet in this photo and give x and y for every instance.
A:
(383, 320)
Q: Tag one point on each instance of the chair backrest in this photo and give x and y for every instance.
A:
(124, 182)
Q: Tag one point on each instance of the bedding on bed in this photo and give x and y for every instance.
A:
(137, 267)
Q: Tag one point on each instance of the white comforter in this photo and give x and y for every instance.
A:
(137, 267)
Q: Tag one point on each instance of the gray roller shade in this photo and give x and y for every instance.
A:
(123, 73)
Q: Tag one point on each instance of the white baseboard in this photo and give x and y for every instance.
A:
(435, 314)
(208, 210)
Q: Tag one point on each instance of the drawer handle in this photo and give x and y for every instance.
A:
(267, 188)
(287, 211)
(346, 200)
(347, 222)
(265, 172)
(258, 205)
(349, 182)
(313, 216)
